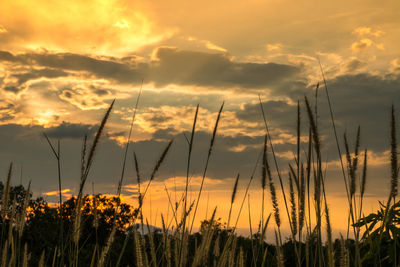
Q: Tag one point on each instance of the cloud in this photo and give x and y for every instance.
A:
(364, 99)
(354, 65)
(358, 99)
(368, 38)
(70, 130)
(123, 24)
(395, 65)
(103, 68)
(274, 47)
(11, 88)
(208, 44)
(85, 96)
(172, 66)
(50, 73)
(178, 119)
(16, 78)
(177, 185)
(362, 31)
(2, 29)
(357, 94)
(7, 56)
(272, 108)
(361, 45)
(204, 69)
(54, 193)
(26, 145)
(213, 46)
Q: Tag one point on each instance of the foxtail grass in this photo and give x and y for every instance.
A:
(210, 149)
(84, 176)
(57, 155)
(233, 196)
(280, 179)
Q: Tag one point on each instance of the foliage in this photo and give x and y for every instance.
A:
(382, 237)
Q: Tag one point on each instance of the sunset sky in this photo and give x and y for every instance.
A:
(63, 62)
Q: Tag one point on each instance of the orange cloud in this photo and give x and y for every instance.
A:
(2, 29)
(207, 44)
(181, 119)
(361, 45)
(395, 65)
(362, 31)
(274, 47)
(212, 46)
(54, 193)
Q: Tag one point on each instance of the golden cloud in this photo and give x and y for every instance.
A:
(2, 29)
(207, 44)
(362, 31)
(54, 193)
(274, 47)
(361, 45)
(180, 119)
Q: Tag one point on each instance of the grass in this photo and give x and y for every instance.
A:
(86, 236)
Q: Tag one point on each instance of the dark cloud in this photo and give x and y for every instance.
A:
(172, 66)
(6, 117)
(29, 74)
(103, 68)
(7, 56)
(11, 88)
(39, 73)
(164, 134)
(9, 106)
(159, 118)
(99, 91)
(26, 145)
(67, 94)
(362, 99)
(279, 112)
(70, 130)
(354, 65)
(204, 69)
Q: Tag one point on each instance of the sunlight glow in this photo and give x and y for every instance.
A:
(54, 193)
(101, 27)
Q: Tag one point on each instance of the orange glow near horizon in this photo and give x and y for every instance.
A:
(217, 194)
(55, 193)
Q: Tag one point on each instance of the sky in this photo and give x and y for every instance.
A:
(63, 62)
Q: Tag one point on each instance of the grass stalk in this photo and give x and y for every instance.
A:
(57, 155)
(210, 149)
(280, 179)
(233, 196)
